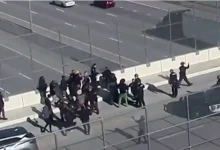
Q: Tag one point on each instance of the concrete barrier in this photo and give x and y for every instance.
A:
(14, 102)
(128, 73)
(194, 58)
(214, 53)
(168, 63)
(30, 98)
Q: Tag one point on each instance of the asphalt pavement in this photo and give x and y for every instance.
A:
(122, 127)
(132, 20)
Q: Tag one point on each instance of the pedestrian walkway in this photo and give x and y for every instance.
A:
(20, 115)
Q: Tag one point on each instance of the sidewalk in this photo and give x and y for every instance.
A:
(20, 115)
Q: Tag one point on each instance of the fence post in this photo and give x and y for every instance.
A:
(89, 40)
(194, 25)
(118, 43)
(170, 29)
(61, 53)
(147, 128)
(55, 140)
(188, 123)
(32, 64)
(217, 18)
(103, 133)
(30, 15)
(145, 46)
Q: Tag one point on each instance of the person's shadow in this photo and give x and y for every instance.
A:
(34, 122)
(155, 90)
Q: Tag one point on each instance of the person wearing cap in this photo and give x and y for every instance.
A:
(182, 73)
(173, 81)
(142, 128)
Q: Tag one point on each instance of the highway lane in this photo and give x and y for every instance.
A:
(154, 53)
(123, 127)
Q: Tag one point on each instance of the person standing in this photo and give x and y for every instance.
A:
(2, 105)
(140, 94)
(136, 78)
(123, 89)
(142, 128)
(182, 73)
(218, 80)
(71, 83)
(92, 98)
(42, 88)
(47, 116)
(94, 74)
(84, 115)
(63, 86)
(173, 81)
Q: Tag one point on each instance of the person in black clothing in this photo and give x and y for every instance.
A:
(136, 78)
(94, 73)
(63, 86)
(93, 100)
(139, 96)
(173, 81)
(78, 80)
(84, 115)
(182, 69)
(85, 82)
(106, 77)
(52, 88)
(133, 87)
(71, 83)
(113, 90)
(218, 80)
(42, 88)
(123, 88)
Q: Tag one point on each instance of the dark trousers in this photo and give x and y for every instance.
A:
(48, 123)
(43, 96)
(94, 106)
(140, 102)
(86, 126)
(183, 77)
(174, 90)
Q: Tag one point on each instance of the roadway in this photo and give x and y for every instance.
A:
(122, 127)
(132, 19)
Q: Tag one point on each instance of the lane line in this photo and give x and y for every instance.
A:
(148, 37)
(148, 14)
(121, 7)
(178, 133)
(115, 40)
(60, 10)
(100, 22)
(103, 50)
(3, 2)
(134, 10)
(25, 76)
(69, 24)
(34, 12)
(111, 15)
(4, 90)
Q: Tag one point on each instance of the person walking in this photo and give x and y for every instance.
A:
(182, 73)
(173, 81)
(142, 128)
(123, 89)
(140, 94)
(2, 105)
(84, 115)
(47, 115)
(42, 88)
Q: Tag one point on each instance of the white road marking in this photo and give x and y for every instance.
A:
(25, 76)
(121, 7)
(115, 40)
(134, 10)
(34, 12)
(148, 14)
(181, 132)
(103, 50)
(148, 37)
(100, 22)
(69, 24)
(59, 10)
(4, 90)
(3, 2)
(161, 18)
(111, 15)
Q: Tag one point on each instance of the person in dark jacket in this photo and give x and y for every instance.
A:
(84, 115)
(52, 88)
(133, 87)
(113, 89)
(63, 86)
(136, 78)
(106, 77)
(94, 74)
(140, 94)
(182, 73)
(2, 105)
(46, 115)
(123, 89)
(218, 80)
(173, 81)
(85, 82)
(42, 88)
(78, 80)
(92, 98)
(71, 83)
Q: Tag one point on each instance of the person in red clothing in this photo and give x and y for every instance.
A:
(2, 110)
